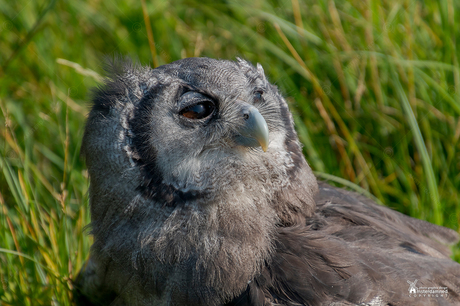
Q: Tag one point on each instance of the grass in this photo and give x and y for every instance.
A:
(374, 87)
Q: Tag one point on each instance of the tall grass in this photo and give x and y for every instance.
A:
(374, 87)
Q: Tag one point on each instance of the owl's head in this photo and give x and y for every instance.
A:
(194, 130)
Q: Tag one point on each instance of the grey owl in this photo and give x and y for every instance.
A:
(200, 195)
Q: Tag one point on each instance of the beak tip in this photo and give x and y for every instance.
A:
(255, 128)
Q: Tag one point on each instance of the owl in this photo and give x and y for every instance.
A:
(200, 195)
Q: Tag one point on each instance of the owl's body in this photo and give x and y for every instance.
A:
(200, 195)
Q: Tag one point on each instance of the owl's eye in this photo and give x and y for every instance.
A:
(258, 95)
(198, 111)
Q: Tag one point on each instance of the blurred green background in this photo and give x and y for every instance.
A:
(374, 87)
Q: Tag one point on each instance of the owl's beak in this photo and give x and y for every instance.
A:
(254, 132)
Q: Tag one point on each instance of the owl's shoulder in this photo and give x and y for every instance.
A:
(354, 251)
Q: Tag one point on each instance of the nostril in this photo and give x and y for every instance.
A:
(246, 116)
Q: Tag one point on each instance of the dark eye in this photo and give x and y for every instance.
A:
(198, 111)
(258, 95)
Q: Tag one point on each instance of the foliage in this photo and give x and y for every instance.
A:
(374, 87)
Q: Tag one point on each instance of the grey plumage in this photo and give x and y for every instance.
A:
(187, 209)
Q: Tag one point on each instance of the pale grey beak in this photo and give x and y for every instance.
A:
(254, 132)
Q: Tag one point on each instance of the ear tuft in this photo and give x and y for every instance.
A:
(261, 72)
(260, 69)
(244, 63)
